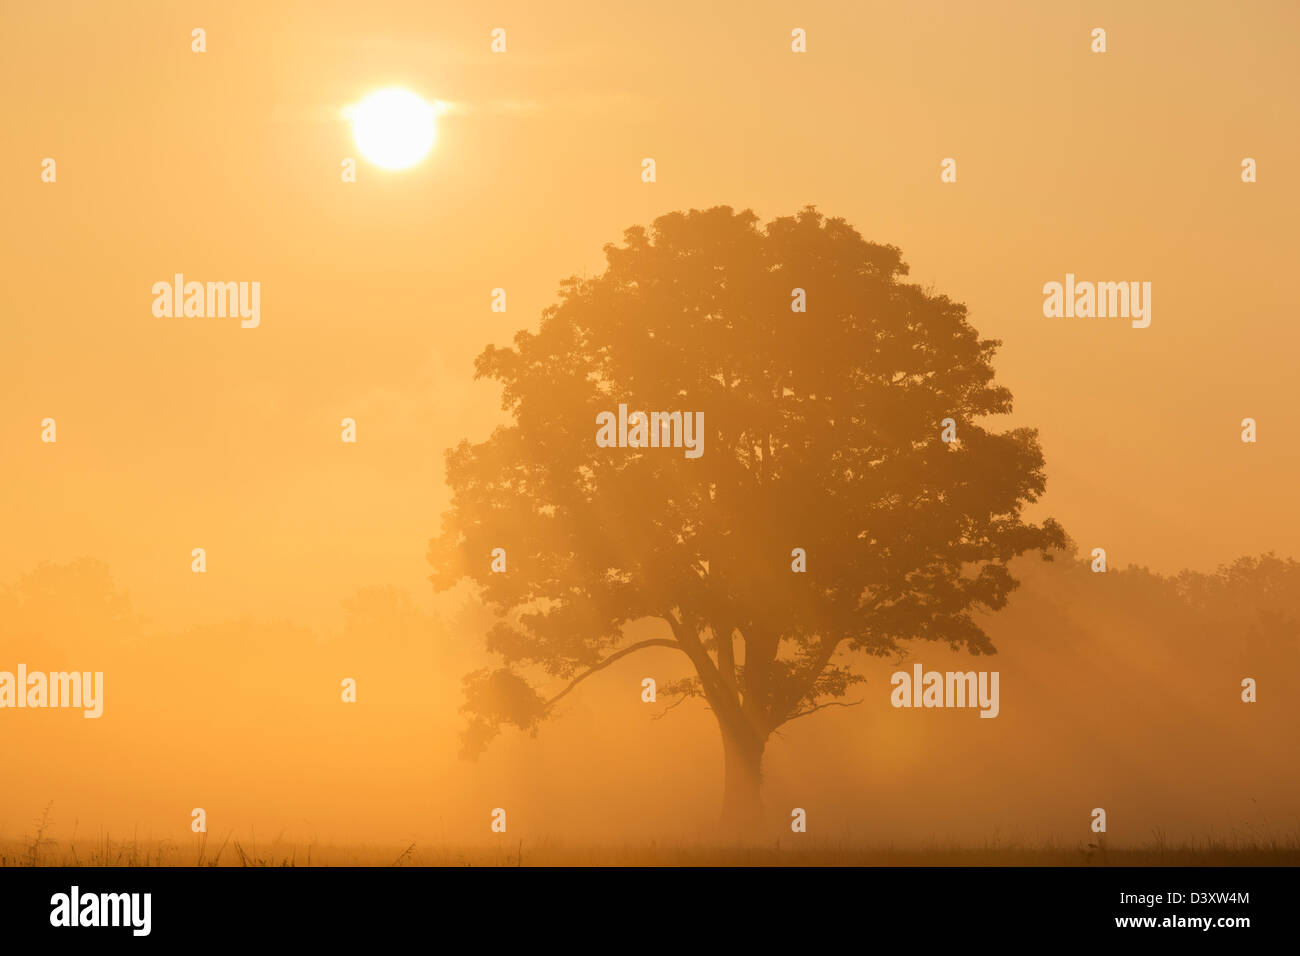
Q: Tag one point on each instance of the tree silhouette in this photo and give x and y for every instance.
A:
(822, 432)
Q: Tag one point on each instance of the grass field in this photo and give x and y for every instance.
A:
(234, 851)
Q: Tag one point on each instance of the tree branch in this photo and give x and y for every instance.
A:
(602, 664)
(689, 642)
(813, 710)
(722, 635)
(724, 701)
(677, 703)
(804, 683)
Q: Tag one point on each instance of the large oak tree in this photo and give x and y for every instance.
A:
(822, 432)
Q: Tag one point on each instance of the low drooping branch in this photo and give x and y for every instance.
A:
(813, 710)
(605, 662)
(675, 704)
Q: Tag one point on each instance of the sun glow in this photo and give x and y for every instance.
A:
(393, 128)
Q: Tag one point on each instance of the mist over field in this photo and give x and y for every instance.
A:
(1118, 690)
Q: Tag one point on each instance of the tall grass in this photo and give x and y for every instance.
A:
(1237, 850)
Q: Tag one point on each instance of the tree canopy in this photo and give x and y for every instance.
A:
(822, 432)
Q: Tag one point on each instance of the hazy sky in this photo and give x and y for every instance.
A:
(178, 433)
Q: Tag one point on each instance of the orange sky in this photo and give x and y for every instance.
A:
(176, 433)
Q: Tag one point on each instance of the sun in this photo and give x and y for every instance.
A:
(393, 128)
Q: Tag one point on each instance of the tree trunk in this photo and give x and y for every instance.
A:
(742, 807)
